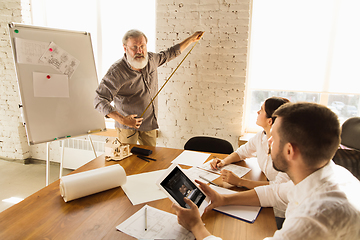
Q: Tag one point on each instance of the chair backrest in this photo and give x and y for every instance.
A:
(349, 159)
(209, 144)
(350, 133)
(350, 137)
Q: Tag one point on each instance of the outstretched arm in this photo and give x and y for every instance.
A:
(230, 177)
(246, 198)
(193, 38)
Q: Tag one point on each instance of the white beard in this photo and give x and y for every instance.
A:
(138, 63)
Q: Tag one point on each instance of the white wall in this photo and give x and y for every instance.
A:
(204, 97)
(13, 143)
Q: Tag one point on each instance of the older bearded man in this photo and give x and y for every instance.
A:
(132, 83)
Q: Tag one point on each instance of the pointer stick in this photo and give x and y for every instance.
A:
(168, 79)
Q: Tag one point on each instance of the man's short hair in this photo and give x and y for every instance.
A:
(312, 128)
(133, 33)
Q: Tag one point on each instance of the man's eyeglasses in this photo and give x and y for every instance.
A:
(136, 48)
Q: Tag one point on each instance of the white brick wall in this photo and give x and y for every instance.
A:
(206, 94)
(13, 143)
(204, 97)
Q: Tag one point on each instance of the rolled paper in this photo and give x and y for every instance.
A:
(93, 181)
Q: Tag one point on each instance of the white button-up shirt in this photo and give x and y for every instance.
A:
(258, 146)
(325, 205)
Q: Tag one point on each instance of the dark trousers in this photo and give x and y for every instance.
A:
(279, 222)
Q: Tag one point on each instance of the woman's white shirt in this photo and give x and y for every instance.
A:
(258, 146)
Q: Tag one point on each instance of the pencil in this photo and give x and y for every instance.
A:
(208, 181)
(148, 158)
(145, 218)
(143, 159)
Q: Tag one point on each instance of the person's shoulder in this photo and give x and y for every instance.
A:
(259, 135)
(335, 208)
(338, 195)
(118, 66)
(120, 62)
(151, 55)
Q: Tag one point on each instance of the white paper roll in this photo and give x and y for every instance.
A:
(93, 181)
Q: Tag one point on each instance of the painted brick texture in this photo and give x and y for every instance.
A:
(206, 94)
(204, 97)
(13, 142)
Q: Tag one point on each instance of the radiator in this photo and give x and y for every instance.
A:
(78, 152)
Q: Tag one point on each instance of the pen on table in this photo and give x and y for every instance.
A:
(208, 181)
(145, 218)
(217, 167)
(143, 159)
(148, 158)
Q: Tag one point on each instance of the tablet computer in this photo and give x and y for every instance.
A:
(177, 185)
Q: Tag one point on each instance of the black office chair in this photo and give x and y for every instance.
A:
(209, 144)
(350, 137)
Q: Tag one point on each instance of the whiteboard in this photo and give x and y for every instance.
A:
(61, 107)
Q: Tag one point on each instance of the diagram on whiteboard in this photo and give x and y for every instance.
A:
(57, 79)
(59, 59)
(29, 52)
(43, 53)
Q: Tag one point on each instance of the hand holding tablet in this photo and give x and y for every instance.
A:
(177, 185)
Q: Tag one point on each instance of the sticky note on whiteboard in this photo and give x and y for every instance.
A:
(50, 85)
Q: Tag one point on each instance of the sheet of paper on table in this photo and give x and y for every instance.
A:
(142, 188)
(191, 158)
(238, 170)
(195, 173)
(160, 225)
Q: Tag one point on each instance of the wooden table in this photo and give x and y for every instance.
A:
(45, 215)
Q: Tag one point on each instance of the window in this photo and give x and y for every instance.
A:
(106, 20)
(305, 51)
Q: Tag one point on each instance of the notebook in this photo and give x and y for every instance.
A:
(244, 213)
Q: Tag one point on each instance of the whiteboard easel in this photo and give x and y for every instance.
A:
(62, 106)
(61, 158)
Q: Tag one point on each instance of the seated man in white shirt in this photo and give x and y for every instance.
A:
(322, 198)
